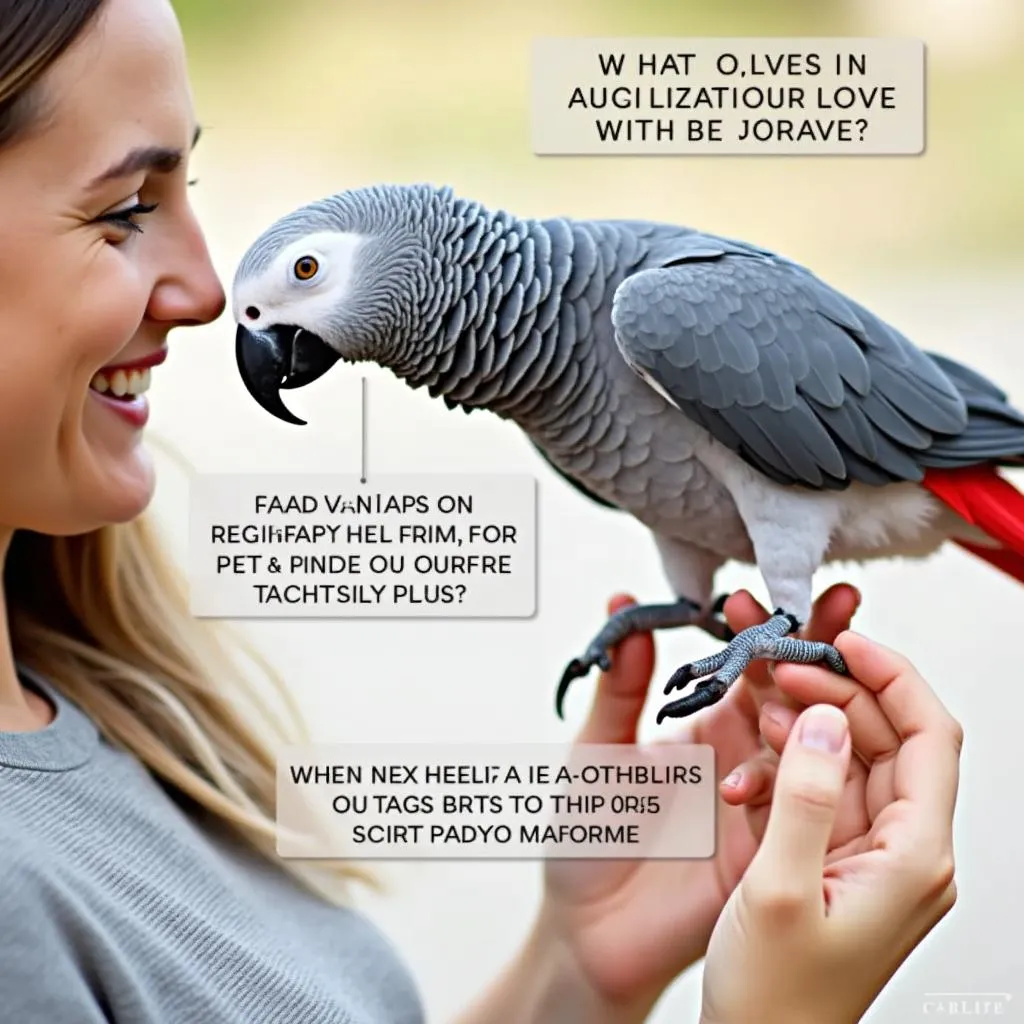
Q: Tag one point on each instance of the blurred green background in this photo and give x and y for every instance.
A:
(323, 94)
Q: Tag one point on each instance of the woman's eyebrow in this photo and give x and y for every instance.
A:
(162, 159)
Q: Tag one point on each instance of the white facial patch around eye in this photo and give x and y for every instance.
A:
(313, 301)
(278, 296)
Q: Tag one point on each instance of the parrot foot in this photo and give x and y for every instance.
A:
(713, 620)
(769, 640)
(641, 618)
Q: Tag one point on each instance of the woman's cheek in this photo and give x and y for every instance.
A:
(33, 415)
(113, 309)
(36, 358)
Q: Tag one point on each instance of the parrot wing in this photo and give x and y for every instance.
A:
(802, 383)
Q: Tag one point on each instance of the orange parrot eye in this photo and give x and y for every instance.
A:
(306, 268)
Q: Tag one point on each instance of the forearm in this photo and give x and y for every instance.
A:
(544, 985)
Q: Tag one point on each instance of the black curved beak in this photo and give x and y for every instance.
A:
(278, 358)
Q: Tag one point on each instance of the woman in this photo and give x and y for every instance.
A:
(137, 762)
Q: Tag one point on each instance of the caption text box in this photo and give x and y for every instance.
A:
(769, 96)
(312, 546)
(496, 801)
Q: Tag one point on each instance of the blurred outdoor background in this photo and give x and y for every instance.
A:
(309, 97)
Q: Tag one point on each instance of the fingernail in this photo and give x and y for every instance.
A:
(732, 780)
(824, 728)
(774, 713)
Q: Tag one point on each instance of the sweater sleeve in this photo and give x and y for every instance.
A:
(42, 980)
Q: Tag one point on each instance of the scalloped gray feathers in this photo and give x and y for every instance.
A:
(570, 479)
(488, 310)
(805, 385)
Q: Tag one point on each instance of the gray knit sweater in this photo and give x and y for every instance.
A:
(119, 903)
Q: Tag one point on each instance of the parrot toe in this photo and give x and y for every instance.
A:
(637, 618)
(576, 669)
(685, 674)
(596, 654)
(705, 693)
(770, 640)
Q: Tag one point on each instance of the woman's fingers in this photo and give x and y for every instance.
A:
(751, 783)
(750, 786)
(809, 785)
(832, 613)
(927, 769)
(622, 690)
(913, 831)
(754, 779)
(874, 736)
(898, 725)
(909, 702)
(777, 721)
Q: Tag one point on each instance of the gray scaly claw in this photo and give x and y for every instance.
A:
(577, 669)
(769, 640)
(637, 618)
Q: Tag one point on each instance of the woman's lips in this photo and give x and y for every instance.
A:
(133, 409)
(143, 363)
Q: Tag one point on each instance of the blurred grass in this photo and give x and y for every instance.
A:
(223, 22)
(351, 91)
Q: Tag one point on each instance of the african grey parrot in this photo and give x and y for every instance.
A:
(726, 397)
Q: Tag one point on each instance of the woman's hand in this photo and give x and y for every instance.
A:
(814, 931)
(631, 927)
(749, 785)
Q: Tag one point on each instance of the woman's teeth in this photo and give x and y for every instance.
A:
(121, 384)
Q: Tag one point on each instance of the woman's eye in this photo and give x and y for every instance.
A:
(126, 217)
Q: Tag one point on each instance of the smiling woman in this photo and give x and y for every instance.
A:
(78, 187)
(125, 724)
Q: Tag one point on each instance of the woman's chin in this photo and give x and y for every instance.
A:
(116, 493)
(130, 491)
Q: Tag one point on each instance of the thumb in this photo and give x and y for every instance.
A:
(809, 785)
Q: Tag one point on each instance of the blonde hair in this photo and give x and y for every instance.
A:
(105, 617)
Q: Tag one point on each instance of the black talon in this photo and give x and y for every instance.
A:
(706, 693)
(680, 679)
(573, 671)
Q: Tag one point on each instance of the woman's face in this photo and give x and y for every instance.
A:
(89, 289)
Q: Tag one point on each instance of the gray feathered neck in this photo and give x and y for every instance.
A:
(449, 295)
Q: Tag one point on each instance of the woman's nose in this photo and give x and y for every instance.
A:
(189, 291)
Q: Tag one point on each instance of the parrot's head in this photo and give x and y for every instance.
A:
(344, 278)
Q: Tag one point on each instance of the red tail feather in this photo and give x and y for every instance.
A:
(990, 502)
